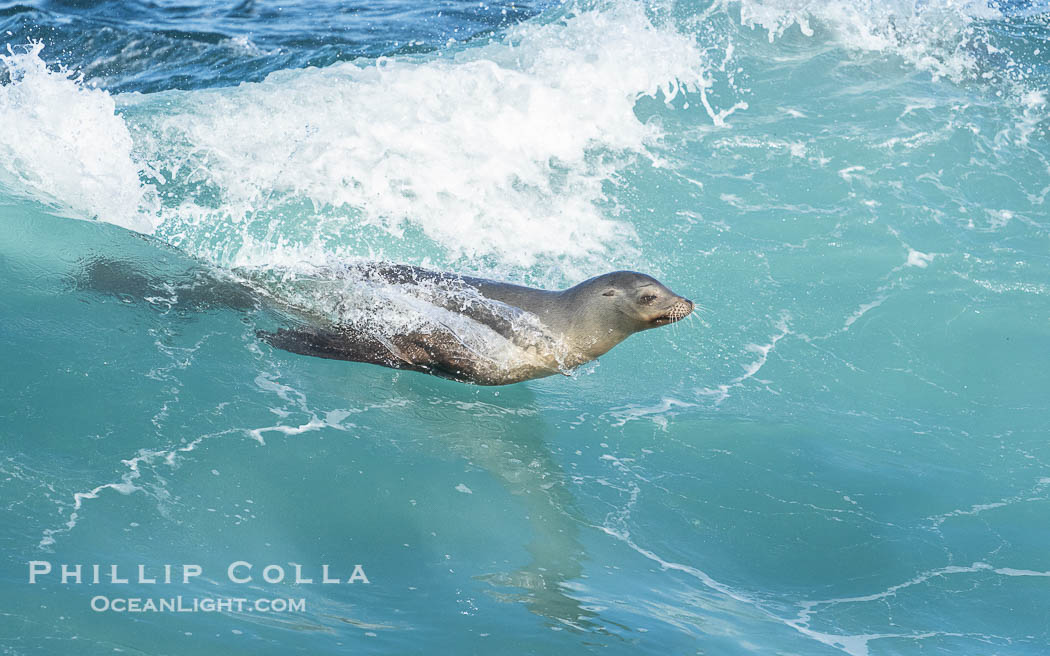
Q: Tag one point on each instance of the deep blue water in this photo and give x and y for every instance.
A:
(846, 451)
(149, 46)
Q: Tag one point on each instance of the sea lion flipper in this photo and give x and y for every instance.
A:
(434, 353)
(303, 342)
(331, 344)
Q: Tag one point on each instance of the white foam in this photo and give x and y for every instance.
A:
(288, 431)
(998, 219)
(931, 35)
(919, 259)
(659, 413)
(861, 311)
(854, 645)
(1010, 571)
(850, 173)
(500, 150)
(721, 393)
(62, 143)
(1034, 98)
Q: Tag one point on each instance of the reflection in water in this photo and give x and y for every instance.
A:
(504, 440)
(182, 287)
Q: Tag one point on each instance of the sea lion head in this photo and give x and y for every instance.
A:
(615, 305)
(639, 301)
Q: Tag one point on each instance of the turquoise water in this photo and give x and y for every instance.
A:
(845, 453)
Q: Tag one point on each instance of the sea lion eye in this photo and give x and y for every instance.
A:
(647, 299)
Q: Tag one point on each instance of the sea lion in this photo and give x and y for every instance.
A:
(535, 332)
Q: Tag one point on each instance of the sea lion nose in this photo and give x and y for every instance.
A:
(681, 309)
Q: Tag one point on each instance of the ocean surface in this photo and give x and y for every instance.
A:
(845, 452)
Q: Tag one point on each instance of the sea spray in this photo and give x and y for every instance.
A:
(503, 150)
(63, 144)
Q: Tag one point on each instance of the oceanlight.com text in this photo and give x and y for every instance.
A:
(180, 604)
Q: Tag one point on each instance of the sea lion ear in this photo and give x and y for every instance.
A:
(609, 292)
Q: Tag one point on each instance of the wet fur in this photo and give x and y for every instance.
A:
(587, 324)
(572, 327)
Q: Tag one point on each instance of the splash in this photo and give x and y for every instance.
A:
(505, 151)
(502, 150)
(941, 37)
(63, 143)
